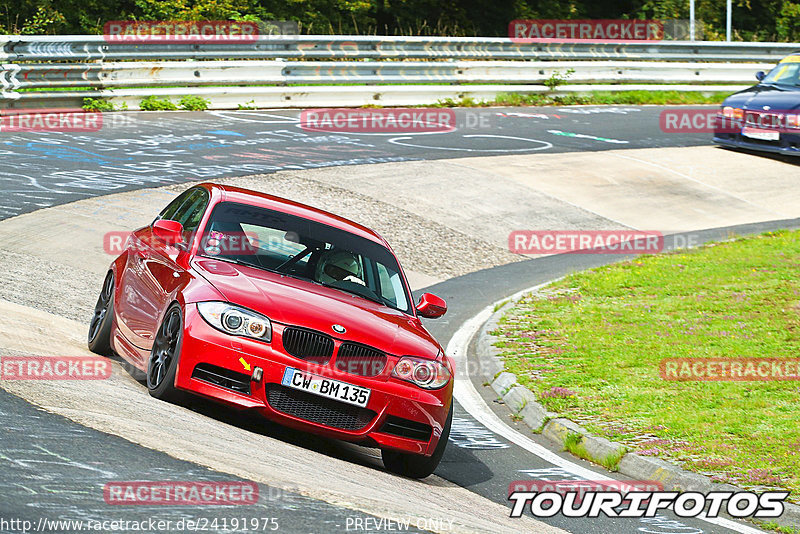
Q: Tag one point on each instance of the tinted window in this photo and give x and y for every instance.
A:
(168, 213)
(275, 240)
(279, 242)
(192, 210)
(187, 209)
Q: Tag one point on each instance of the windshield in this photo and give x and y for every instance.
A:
(278, 242)
(786, 73)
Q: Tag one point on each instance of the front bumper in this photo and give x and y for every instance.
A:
(730, 135)
(734, 141)
(393, 406)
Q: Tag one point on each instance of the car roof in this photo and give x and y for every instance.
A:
(272, 202)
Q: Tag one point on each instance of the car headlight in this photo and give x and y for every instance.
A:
(731, 112)
(236, 320)
(426, 374)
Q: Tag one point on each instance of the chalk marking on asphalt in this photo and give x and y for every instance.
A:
(585, 136)
(588, 111)
(469, 399)
(695, 180)
(468, 434)
(528, 115)
(385, 134)
(545, 144)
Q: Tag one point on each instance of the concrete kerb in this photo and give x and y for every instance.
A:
(519, 399)
(522, 402)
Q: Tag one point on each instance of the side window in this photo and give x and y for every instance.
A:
(187, 209)
(191, 212)
(392, 286)
(168, 213)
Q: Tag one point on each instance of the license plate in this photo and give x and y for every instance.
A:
(759, 133)
(325, 387)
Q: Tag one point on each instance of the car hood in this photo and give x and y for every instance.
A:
(291, 301)
(778, 98)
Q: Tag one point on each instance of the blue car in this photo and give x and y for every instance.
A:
(765, 117)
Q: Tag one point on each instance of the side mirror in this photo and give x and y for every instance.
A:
(171, 232)
(430, 306)
(760, 75)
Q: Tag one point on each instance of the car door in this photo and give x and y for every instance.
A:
(163, 271)
(149, 271)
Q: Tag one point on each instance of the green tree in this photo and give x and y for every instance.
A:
(752, 19)
(787, 27)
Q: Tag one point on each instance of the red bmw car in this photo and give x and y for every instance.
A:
(265, 304)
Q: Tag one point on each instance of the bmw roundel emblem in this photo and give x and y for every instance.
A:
(339, 329)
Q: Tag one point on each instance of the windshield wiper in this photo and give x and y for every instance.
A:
(778, 85)
(294, 275)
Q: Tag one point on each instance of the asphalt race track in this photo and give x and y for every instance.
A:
(51, 467)
(134, 150)
(49, 462)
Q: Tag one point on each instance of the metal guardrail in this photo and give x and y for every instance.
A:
(114, 70)
(16, 48)
(256, 72)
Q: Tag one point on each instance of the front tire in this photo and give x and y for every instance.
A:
(415, 465)
(163, 362)
(99, 337)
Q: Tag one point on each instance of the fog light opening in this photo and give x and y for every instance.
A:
(258, 373)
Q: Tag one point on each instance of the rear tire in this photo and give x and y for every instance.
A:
(416, 465)
(162, 365)
(99, 337)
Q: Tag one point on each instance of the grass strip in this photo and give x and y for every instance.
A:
(589, 346)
